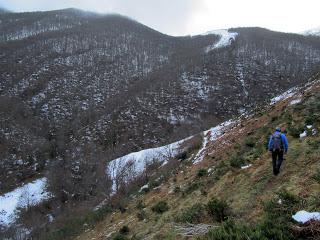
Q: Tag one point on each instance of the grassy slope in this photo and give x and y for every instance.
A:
(244, 189)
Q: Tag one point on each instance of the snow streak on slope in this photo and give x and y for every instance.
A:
(211, 135)
(285, 95)
(225, 39)
(137, 161)
(28, 195)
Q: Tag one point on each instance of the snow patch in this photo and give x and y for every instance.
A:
(217, 131)
(137, 161)
(200, 155)
(29, 194)
(246, 166)
(211, 135)
(144, 188)
(285, 95)
(304, 216)
(226, 39)
(295, 101)
(304, 134)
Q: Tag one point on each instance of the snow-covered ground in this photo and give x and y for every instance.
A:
(225, 38)
(246, 166)
(138, 160)
(304, 216)
(211, 135)
(295, 101)
(29, 194)
(289, 93)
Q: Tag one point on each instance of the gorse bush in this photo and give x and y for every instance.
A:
(232, 231)
(295, 131)
(160, 207)
(202, 172)
(275, 224)
(193, 214)
(250, 142)
(316, 177)
(193, 187)
(140, 205)
(236, 161)
(124, 230)
(141, 215)
(218, 209)
(119, 236)
(221, 169)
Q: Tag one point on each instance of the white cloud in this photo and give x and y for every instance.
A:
(182, 17)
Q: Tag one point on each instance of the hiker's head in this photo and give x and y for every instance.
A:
(278, 129)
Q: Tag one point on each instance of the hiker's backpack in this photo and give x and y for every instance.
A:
(277, 141)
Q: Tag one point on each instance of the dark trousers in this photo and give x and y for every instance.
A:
(277, 159)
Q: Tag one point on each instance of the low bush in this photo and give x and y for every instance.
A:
(275, 223)
(311, 119)
(218, 209)
(176, 189)
(141, 215)
(295, 131)
(232, 231)
(236, 161)
(193, 187)
(160, 207)
(250, 142)
(316, 177)
(140, 205)
(202, 172)
(221, 169)
(119, 236)
(124, 230)
(193, 214)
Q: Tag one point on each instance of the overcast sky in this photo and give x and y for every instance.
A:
(184, 17)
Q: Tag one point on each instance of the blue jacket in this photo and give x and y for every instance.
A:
(284, 141)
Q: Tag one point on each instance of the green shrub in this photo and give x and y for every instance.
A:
(316, 177)
(119, 236)
(232, 231)
(221, 169)
(236, 161)
(141, 215)
(295, 131)
(202, 172)
(193, 214)
(124, 230)
(160, 207)
(192, 187)
(311, 119)
(140, 205)
(258, 151)
(218, 209)
(250, 142)
(176, 189)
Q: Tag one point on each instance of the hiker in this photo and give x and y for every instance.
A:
(278, 145)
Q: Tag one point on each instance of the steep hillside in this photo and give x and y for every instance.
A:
(79, 89)
(119, 86)
(236, 172)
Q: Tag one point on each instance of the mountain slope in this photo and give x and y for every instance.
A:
(87, 88)
(244, 189)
